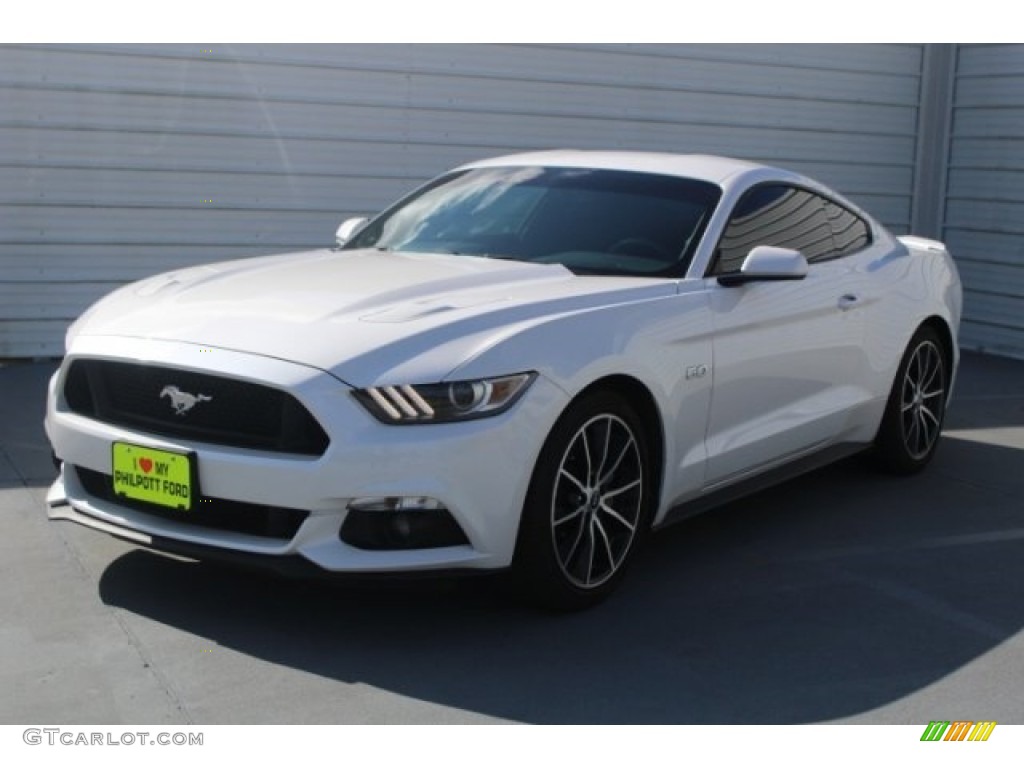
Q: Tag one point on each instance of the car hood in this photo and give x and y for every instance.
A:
(358, 314)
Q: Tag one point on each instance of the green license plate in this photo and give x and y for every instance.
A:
(157, 477)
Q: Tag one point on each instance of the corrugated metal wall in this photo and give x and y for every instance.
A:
(985, 197)
(120, 161)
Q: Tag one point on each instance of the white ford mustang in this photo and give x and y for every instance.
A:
(526, 364)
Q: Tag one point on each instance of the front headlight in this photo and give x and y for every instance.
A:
(444, 401)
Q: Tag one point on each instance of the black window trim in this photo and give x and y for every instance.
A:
(709, 272)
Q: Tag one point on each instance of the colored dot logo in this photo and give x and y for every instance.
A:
(958, 730)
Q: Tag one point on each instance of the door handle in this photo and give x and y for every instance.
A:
(848, 301)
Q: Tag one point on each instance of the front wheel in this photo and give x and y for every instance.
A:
(587, 506)
(914, 414)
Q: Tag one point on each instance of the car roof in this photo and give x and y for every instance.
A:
(706, 167)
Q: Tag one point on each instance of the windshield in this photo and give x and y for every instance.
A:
(591, 221)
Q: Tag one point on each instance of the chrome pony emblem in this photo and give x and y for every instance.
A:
(182, 402)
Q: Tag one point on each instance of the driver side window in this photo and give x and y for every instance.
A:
(775, 214)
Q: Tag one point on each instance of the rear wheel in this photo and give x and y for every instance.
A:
(914, 414)
(587, 506)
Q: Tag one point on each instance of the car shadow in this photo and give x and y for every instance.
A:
(822, 598)
(988, 394)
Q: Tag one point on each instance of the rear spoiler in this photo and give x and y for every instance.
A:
(915, 243)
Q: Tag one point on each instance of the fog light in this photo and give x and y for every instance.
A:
(400, 522)
(394, 504)
(402, 526)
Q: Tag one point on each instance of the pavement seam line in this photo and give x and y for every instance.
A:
(986, 487)
(162, 681)
(1000, 536)
(926, 603)
(14, 468)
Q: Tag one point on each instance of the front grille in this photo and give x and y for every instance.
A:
(219, 514)
(231, 412)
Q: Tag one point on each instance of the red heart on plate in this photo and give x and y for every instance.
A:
(146, 465)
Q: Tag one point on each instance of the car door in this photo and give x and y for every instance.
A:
(787, 354)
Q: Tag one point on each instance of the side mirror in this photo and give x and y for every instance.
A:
(766, 262)
(349, 228)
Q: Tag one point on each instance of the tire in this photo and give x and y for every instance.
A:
(587, 508)
(916, 409)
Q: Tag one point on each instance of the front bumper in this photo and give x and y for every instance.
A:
(479, 470)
